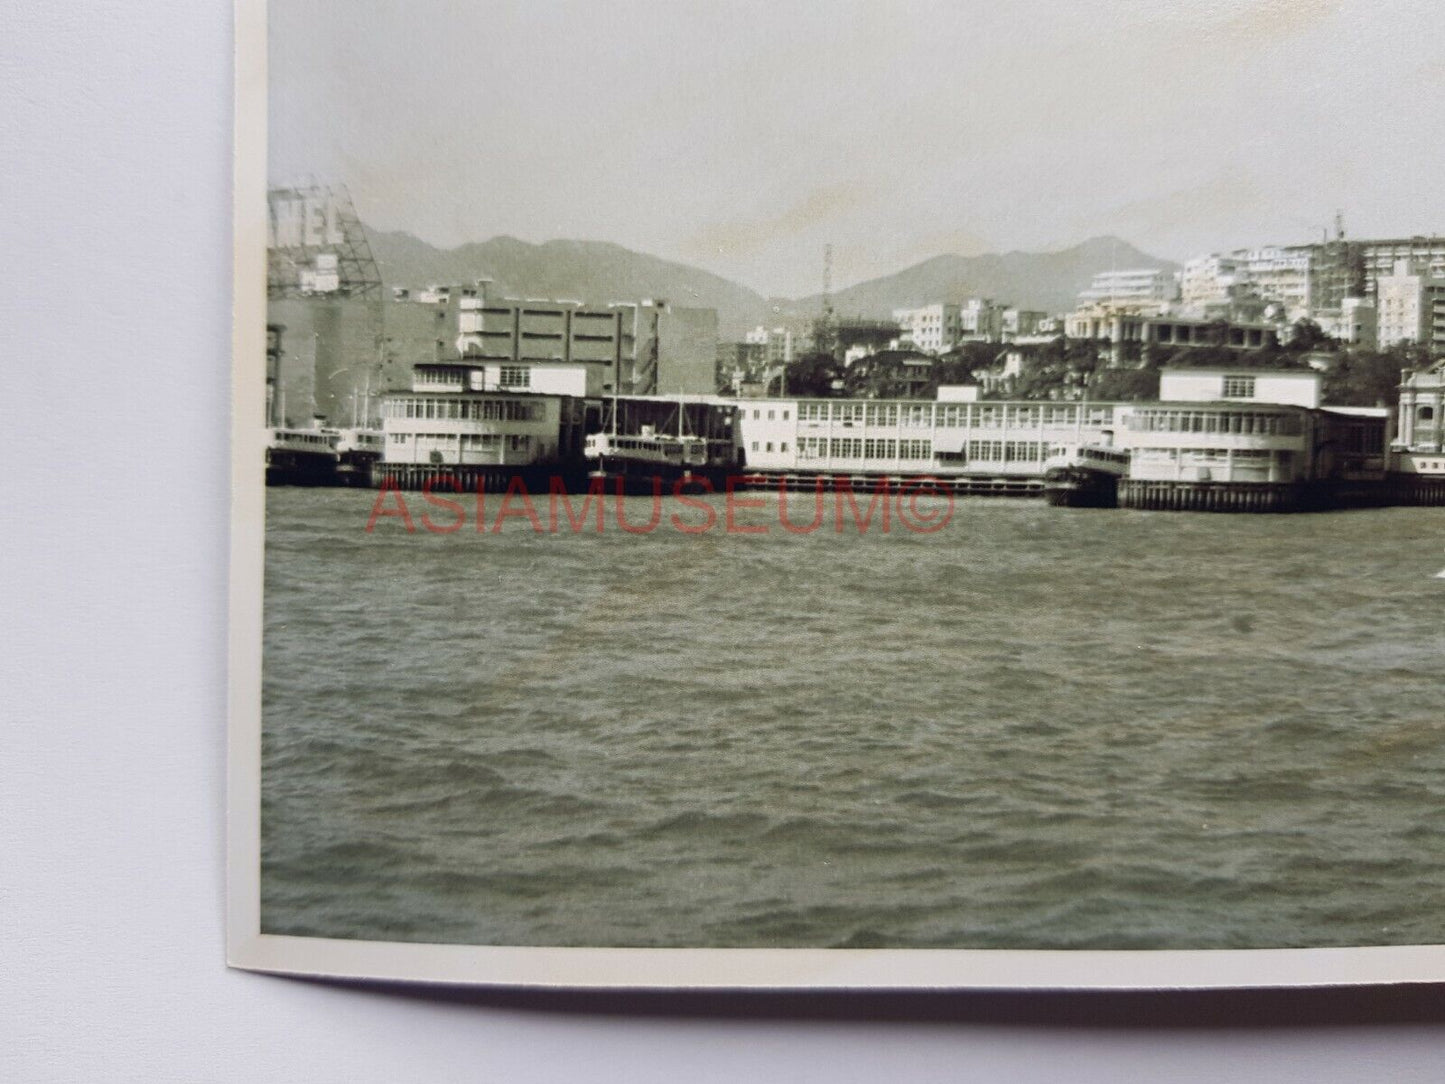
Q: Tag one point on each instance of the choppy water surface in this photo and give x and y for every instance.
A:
(1037, 728)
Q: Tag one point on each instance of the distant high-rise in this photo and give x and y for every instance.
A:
(1130, 288)
(1411, 307)
(931, 328)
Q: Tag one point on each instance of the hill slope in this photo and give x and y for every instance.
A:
(1049, 281)
(592, 271)
(599, 272)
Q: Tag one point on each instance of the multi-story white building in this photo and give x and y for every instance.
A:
(1357, 322)
(472, 416)
(1197, 437)
(1025, 324)
(1282, 275)
(1309, 280)
(1248, 425)
(1251, 442)
(1378, 258)
(1134, 289)
(1121, 330)
(1207, 280)
(933, 329)
(776, 345)
(1283, 387)
(912, 436)
(1411, 305)
(980, 320)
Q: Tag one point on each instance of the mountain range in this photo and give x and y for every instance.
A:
(599, 271)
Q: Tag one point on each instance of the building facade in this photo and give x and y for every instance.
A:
(1307, 281)
(1252, 443)
(933, 329)
(1378, 258)
(1411, 306)
(1125, 332)
(1285, 387)
(1420, 423)
(330, 356)
(1207, 280)
(1136, 288)
(1357, 323)
(1024, 324)
(980, 320)
(912, 436)
(774, 346)
(1250, 426)
(1247, 426)
(1282, 275)
(643, 347)
(459, 415)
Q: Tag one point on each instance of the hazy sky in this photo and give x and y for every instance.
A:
(741, 137)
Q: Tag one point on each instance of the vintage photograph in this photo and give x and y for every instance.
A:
(866, 475)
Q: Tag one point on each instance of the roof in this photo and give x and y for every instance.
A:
(1236, 370)
(1358, 411)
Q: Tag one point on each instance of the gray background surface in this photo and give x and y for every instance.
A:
(115, 305)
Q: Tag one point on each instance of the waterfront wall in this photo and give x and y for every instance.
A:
(1139, 494)
(1397, 489)
(448, 479)
(1158, 496)
(1415, 489)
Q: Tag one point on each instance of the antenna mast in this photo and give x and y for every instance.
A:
(823, 336)
(828, 284)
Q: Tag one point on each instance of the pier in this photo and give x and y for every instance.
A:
(1141, 494)
(1155, 496)
(957, 484)
(1415, 489)
(476, 478)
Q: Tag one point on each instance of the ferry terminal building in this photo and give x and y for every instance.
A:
(1225, 439)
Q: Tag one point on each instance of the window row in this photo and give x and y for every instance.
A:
(954, 415)
(1213, 421)
(1212, 455)
(870, 449)
(1006, 451)
(489, 410)
(467, 442)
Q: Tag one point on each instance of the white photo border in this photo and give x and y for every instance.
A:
(703, 968)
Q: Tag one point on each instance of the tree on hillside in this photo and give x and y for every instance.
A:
(890, 374)
(1228, 357)
(1307, 335)
(960, 364)
(1118, 385)
(1371, 377)
(812, 376)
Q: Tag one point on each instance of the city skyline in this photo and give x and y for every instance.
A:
(741, 139)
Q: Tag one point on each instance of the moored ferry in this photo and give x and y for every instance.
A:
(649, 454)
(301, 457)
(646, 454)
(1084, 475)
(357, 450)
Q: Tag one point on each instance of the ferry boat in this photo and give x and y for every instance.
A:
(357, 449)
(640, 458)
(301, 457)
(1084, 475)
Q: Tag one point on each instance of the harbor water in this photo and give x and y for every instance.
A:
(1033, 728)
